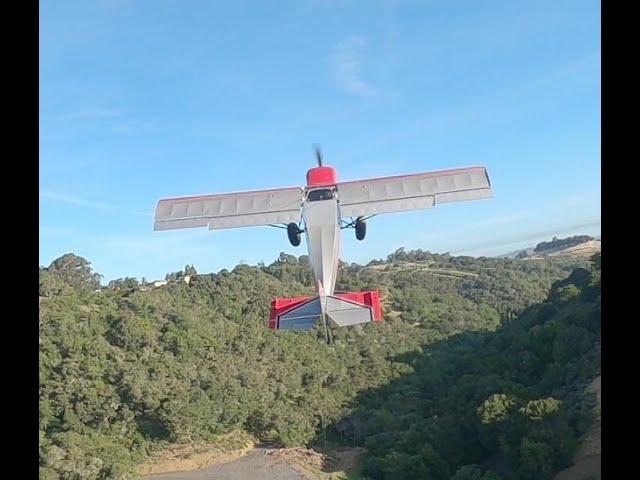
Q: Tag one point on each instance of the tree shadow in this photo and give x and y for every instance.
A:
(431, 412)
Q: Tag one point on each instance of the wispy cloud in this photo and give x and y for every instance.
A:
(134, 126)
(503, 219)
(92, 114)
(157, 254)
(510, 240)
(499, 101)
(116, 120)
(50, 231)
(579, 200)
(150, 243)
(84, 203)
(346, 66)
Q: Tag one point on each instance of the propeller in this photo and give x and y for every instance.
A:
(316, 147)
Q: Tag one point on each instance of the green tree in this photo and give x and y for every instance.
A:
(75, 271)
(495, 408)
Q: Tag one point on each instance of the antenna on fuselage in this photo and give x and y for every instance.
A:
(316, 147)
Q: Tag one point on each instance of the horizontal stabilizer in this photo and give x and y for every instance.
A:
(299, 316)
(345, 312)
(344, 309)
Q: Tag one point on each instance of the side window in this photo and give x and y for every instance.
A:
(320, 194)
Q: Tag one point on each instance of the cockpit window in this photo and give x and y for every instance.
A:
(320, 194)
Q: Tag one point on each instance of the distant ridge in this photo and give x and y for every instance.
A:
(515, 253)
(579, 246)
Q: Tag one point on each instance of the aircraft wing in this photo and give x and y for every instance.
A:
(230, 210)
(412, 192)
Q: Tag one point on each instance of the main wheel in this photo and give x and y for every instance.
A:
(361, 228)
(293, 232)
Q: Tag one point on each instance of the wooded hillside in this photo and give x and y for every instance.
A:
(476, 371)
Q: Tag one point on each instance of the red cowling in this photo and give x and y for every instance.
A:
(321, 177)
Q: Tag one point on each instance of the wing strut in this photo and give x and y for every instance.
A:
(352, 223)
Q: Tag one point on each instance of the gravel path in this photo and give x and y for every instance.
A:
(256, 464)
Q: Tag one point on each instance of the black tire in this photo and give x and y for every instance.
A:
(361, 228)
(293, 232)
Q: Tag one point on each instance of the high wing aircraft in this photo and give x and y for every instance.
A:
(321, 210)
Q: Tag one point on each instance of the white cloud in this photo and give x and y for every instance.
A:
(92, 114)
(490, 247)
(502, 219)
(581, 199)
(84, 203)
(119, 121)
(134, 126)
(346, 66)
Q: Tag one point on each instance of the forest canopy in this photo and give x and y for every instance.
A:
(478, 370)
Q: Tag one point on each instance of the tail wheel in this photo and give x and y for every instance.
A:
(361, 228)
(293, 232)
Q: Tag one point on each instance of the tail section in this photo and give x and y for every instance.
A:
(369, 298)
(303, 313)
(297, 313)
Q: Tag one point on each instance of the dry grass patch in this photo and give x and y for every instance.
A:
(197, 455)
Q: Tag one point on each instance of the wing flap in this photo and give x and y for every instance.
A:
(464, 195)
(387, 206)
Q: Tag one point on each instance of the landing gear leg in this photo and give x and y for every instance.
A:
(327, 332)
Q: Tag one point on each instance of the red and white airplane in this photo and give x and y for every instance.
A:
(320, 211)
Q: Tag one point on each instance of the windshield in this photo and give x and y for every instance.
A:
(320, 194)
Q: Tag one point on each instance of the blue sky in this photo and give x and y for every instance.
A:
(141, 100)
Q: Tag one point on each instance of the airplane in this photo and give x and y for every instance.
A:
(321, 210)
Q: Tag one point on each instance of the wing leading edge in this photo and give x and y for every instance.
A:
(412, 192)
(230, 210)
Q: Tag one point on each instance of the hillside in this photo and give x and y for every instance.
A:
(583, 250)
(128, 371)
(578, 247)
(587, 461)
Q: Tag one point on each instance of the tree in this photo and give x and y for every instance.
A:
(50, 283)
(173, 276)
(124, 283)
(495, 408)
(75, 271)
(474, 472)
(537, 409)
(123, 373)
(287, 258)
(537, 459)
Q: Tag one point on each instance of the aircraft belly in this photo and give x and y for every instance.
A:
(322, 225)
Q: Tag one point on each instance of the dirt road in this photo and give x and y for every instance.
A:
(256, 464)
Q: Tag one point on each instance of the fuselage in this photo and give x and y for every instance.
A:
(322, 226)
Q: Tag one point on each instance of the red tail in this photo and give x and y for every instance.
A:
(369, 299)
(282, 305)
